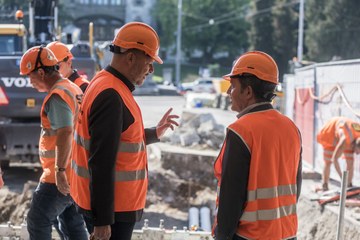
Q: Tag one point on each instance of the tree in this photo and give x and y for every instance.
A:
(273, 30)
(332, 29)
(211, 27)
(285, 33)
(261, 21)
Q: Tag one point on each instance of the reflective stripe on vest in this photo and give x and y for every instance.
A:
(265, 193)
(120, 176)
(123, 146)
(46, 132)
(47, 154)
(270, 214)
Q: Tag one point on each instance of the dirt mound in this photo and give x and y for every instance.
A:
(14, 206)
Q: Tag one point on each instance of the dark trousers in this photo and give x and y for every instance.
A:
(122, 230)
(236, 237)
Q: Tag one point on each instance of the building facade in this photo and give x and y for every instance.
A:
(106, 15)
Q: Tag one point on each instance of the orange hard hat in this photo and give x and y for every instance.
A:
(140, 36)
(60, 50)
(257, 63)
(19, 15)
(35, 58)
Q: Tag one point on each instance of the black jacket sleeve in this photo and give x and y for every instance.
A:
(299, 177)
(151, 136)
(105, 126)
(233, 188)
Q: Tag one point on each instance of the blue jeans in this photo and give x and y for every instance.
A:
(47, 203)
(61, 222)
(236, 237)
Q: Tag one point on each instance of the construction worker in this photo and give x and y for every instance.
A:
(58, 112)
(109, 167)
(259, 166)
(339, 136)
(1, 179)
(64, 56)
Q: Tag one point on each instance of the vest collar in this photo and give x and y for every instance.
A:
(75, 75)
(255, 108)
(117, 74)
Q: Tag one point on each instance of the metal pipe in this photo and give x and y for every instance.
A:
(301, 31)
(56, 20)
(91, 37)
(340, 227)
(31, 22)
(193, 217)
(205, 222)
(178, 46)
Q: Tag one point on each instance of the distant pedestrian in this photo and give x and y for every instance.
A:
(109, 167)
(58, 112)
(259, 166)
(339, 136)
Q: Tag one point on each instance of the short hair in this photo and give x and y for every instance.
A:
(50, 69)
(264, 91)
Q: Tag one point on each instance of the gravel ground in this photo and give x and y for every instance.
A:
(169, 198)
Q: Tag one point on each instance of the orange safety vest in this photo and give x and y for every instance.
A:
(71, 94)
(131, 178)
(270, 208)
(329, 136)
(80, 81)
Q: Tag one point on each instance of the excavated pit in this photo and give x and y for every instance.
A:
(181, 176)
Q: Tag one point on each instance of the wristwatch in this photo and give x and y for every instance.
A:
(59, 169)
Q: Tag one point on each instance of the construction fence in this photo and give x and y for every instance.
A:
(315, 94)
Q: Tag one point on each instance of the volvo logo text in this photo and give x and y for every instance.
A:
(16, 81)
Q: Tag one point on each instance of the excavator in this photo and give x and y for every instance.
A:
(20, 103)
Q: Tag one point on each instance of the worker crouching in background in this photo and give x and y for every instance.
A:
(259, 166)
(339, 136)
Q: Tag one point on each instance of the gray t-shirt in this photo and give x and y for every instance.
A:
(58, 112)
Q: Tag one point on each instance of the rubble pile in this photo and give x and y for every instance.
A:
(199, 131)
(14, 206)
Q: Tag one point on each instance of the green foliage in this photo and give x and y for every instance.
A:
(285, 33)
(332, 29)
(274, 30)
(261, 21)
(213, 27)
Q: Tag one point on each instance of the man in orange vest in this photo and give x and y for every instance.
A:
(259, 166)
(109, 164)
(64, 56)
(339, 136)
(58, 112)
(1, 179)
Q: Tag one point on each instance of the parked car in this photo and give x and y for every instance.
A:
(149, 87)
(203, 85)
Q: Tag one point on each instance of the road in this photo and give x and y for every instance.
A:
(153, 108)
